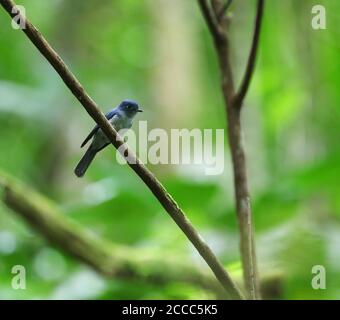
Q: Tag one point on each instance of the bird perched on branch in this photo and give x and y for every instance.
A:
(120, 118)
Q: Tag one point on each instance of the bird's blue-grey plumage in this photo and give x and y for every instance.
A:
(108, 116)
(120, 118)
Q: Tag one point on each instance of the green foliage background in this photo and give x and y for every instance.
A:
(159, 52)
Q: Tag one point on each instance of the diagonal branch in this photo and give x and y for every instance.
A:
(109, 259)
(106, 258)
(148, 178)
(252, 56)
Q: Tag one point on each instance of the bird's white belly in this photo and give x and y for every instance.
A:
(119, 124)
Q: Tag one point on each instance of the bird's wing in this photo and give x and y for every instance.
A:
(108, 116)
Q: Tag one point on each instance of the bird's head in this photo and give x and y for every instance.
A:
(129, 108)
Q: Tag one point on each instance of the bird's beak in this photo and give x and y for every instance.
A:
(140, 110)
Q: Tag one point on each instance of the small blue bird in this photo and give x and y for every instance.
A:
(120, 118)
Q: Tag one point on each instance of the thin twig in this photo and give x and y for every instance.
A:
(242, 197)
(223, 11)
(210, 19)
(149, 179)
(252, 56)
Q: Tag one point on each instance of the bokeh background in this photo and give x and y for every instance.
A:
(159, 53)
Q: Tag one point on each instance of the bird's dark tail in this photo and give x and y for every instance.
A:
(84, 162)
